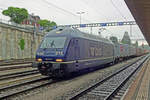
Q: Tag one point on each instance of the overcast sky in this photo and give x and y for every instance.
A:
(65, 12)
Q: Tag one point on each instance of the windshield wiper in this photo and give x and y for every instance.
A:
(52, 44)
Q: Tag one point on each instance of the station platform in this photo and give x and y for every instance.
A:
(140, 87)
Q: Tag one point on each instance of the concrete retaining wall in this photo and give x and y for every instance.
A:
(10, 40)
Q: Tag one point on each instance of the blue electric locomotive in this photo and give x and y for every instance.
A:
(67, 50)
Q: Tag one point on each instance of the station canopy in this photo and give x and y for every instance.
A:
(140, 10)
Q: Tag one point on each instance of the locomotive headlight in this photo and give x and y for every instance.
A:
(39, 60)
(40, 53)
(59, 60)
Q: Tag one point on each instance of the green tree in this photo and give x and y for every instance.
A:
(114, 39)
(44, 23)
(47, 24)
(16, 15)
(126, 39)
(53, 24)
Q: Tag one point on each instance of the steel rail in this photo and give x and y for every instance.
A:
(125, 80)
(24, 90)
(14, 63)
(14, 67)
(18, 74)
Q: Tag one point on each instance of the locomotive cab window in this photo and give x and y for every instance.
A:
(53, 42)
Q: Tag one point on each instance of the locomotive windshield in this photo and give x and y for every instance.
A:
(53, 42)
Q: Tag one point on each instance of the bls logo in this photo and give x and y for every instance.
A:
(94, 51)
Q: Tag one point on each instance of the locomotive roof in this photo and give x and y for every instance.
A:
(72, 32)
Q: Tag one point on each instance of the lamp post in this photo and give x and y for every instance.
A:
(80, 15)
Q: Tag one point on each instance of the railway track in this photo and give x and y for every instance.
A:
(18, 74)
(15, 88)
(15, 62)
(30, 83)
(107, 88)
(124, 88)
(18, 66)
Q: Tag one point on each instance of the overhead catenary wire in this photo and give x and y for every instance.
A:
(61, 9)
(100, 13)
(123, 4)
(118, 10)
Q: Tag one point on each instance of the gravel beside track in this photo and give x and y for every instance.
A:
(67, 88)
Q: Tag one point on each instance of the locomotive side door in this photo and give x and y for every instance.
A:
(77, 53)
(77, 50)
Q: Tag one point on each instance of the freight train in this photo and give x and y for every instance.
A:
(67, 50)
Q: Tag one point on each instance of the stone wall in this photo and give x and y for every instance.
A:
(10, 42)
